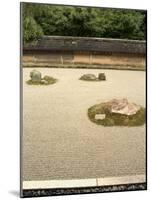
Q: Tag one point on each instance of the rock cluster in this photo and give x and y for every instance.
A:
(36, 79)
(92, 77)
(117, 112)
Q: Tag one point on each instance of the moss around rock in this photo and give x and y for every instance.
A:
(37, 80)
(43, 81)
(114, 118)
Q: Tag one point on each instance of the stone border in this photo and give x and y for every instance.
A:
(87, 44)
(83, 186)
(84, 182)
(83, 190)
(84, 66)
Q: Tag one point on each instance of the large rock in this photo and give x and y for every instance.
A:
(35, 76)
(122, 106)
(89, 77)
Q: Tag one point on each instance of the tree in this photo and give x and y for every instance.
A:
(45, 19)
(31, 30)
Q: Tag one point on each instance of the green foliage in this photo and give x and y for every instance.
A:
(31, 30)
(81, 21)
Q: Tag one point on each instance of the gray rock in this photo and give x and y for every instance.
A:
(89, 77)
(101, 76)
(35, 76)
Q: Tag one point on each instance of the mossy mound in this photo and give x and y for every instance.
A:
(46, 80)
(116, 119)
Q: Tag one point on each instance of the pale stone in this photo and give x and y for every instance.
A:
(35, 76)
(122, 106)
(100, 116)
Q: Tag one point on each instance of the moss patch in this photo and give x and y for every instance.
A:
(116, 119)
(93, 80)
(46, 80)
